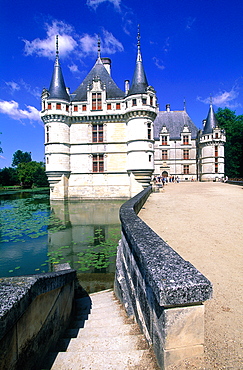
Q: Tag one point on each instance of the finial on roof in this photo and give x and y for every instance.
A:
(57, 51)
(211, 99)
(139, 56)
(184, 102)
(98, 46)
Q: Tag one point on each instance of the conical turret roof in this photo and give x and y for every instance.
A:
(139, 82)
(57, 88)
(211, 121)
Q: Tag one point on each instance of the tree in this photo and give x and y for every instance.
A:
(20, 157)
(1, 150)
(233, 126)
(8, 176)
(32, 174)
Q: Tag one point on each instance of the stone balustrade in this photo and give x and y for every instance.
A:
(163, 292)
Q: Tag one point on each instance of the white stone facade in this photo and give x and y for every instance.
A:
(101, 142)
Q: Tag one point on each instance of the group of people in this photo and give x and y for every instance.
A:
(161, 180)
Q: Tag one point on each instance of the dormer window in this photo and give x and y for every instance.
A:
(185, 139)
(164, 140)
(96, 101)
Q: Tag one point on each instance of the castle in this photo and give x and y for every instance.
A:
(102, 142)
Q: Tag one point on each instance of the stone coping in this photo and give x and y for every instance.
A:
(17, 293)
(173, 280)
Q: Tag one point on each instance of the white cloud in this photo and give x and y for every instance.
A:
(14, 86)
(109, 44)
(47, 46)
(223, 98)
(73, 68)
(11, 108)
(189, 22)
(158, 63)
(95, 3)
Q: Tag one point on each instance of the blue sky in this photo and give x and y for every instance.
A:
(191, 50)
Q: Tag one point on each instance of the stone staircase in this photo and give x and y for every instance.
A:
(102, 337)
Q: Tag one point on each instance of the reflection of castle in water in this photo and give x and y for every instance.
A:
(86, 229)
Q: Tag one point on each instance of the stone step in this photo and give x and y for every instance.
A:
(97, 344)
(126, 329)
(142, 360)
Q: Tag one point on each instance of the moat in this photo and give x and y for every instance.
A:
(36, 234)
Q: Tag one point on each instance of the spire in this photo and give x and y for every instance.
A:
(139, 82)
(99, 47)
(211, 121)
(57, 88)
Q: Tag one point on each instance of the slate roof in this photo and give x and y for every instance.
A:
(139, 82)
(174, 122)
(211, 121)
(57, 88)
(99, 70)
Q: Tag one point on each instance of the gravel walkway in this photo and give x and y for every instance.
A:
(203, 222)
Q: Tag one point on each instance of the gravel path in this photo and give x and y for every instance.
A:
(203, 222)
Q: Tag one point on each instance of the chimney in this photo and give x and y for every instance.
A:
(126, 86)
(167, 107)
(107, 64)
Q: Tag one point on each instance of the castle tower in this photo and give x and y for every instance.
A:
(141, 111)
(211, 149)
(55, 115)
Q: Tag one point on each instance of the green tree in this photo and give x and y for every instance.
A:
(32, 174)
(8, 176)
(233, 126)
(1, 150)
(20, 157)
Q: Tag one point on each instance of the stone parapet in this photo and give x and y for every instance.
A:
(34, 311)
(160, 289)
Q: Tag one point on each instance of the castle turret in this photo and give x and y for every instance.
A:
(55, 115)
(141, 110)
(211, 149)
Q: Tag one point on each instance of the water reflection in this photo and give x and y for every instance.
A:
(87, 238)
(34, 235)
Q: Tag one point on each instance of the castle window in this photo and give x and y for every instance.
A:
(47, 134)
(96, 101)
(49, 105)
(164, 154)
(75, 108)
(118, 106)
(216, 167)
(216, 151)
(134, 102)
(67, 108)
(186, 169)
(151, 100)
(109, 106)
(144, 101)
(47, 160)
(84, 108)
(149, 131)
(150, 157)
(216, 135)
(58, 106)
(185, 139)
(97, 133)
(44, 105)
(98, 162)
(164, 140)
(185, 154)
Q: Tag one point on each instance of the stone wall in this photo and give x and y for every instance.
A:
(160, 289)
(34, 312)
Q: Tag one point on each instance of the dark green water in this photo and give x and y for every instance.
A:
(36, 234)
